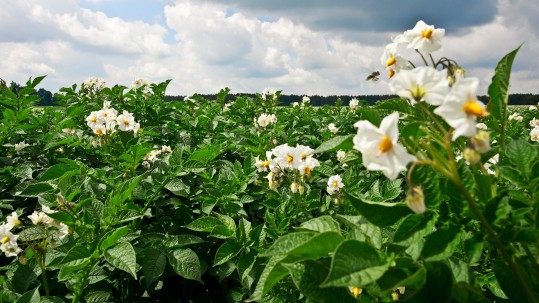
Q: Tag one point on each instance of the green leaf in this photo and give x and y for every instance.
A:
(186, 263)
(321, 224)
(273, 272)
(113, 237)
(122, 256)
(206, 154)
(226, 251)
(177, 187)
(355, 263)
(441, 243)
(498, 89)
(75, 256)
(336, 143)
(55, 171)
(33, 190)
(32, 296)
(522, 155)
(439, 282)
(380, 213)
(23, 277)
(412, 224)
(63, 217)
(153, 265)
(399, 277)
(397, 104)
(508, 283)
(288, 242)
(371, 115)
(98, 297)
(308, 276)
(244, 265)
(178, 241)
(204, 224)
(32, 234)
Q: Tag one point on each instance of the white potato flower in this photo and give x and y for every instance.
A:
(305, 100)
(341, 154)
(21, 145)
(379, 146)
(125, 121)
(263, 120)
(334, 184)
(421, 84)
(534, 134)
(461, 108)
(392, 60)
(332, 128)
(424, 38)
(354, 103)
(481, 126)
(13, 220)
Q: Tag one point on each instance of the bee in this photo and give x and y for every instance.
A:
(374, 76)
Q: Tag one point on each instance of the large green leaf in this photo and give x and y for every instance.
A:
(153, 265)
(112, 237)
(380, 213)
(32, 296)
(272, 273)
(498, 89)
(355, 264)
(186, 263)
(441, 243)
(226, 251)
(122, 256)
(336, 143)
(308, 276)
(321, 224)
(522, 155)
(411, 224)
(205, 224)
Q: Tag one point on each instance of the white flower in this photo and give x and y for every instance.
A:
(305, 100)
(424, 38)
(263, 120)
(534, 122)
(286, 157)
(492, 161)
(532, 108)
(421, 84)
(8, 241)
(392, 60)
(332, 128)
(139, 83)
(125, 121)
(334, 184)
(295, 104)
(354, 103)
(21, 145)
(534, 134)
(379, 146)
(106, 104)
(13, 220)
(515, 116)
(63, 231)
(92, 120)
(165, 149)
(307, 166)
(341, 154)
(152, 155)
(482, 126)
(100, 129)
(272, 118)
(461, 108)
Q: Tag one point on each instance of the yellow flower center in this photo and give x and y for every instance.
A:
(126, 122)
(391, 73)
(385, 145)
(473, 108)
(391, 60)
(534, 137)
(335, 184)
(5, 239)
(308, 170)
(417, 92)
(94, 119)
(427, 34)
(98, 132)
(265, 164)
(289, 159)
(304, 156)
(356, 291)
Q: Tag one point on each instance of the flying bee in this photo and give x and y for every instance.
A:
(374, 76)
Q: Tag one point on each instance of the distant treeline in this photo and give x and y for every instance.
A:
(47, 98)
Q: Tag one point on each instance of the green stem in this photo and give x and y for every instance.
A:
(45, 283)
(422, 57)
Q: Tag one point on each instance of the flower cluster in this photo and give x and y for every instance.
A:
(106, 120)
(332, 128)
(297, 162)
(534, 133)
(41, 217)
(265, 120)
(19, 146)
(515, 116)
(268, 93)
(94, 83)
(8, 240)
(153, 155)
(354, 103)
(423, 38)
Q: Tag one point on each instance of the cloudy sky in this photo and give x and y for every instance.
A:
(298, 46)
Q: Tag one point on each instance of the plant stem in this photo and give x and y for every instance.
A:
(422, 57)
(45, 283)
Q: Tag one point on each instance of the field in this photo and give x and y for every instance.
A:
(117, 195)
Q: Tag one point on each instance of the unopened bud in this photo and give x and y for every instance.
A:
(471, 155)
(481, 141)
(301, 189)
(415, 200)
(23, 260)
(294, 187)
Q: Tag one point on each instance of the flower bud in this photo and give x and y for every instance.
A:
(471, 155)
(294, 187)
(23, 260)
(415, 200)
(301, 189)
(481, 141)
